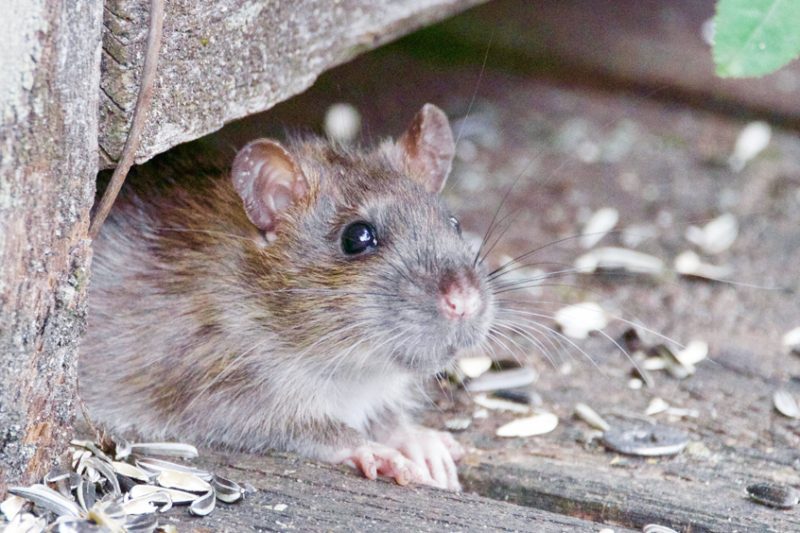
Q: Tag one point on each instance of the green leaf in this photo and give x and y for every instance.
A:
(755, 37)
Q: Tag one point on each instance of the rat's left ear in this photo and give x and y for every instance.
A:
(426, 149)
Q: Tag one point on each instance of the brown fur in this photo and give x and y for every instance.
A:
(199, 329)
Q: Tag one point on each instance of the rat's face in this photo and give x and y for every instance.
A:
(374, 261)
(416, 278)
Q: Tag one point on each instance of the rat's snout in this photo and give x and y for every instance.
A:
(460, 298)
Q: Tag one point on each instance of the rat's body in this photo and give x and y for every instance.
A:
(297, 304)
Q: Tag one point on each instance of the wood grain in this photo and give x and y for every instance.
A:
(48, 164)
(232, 58)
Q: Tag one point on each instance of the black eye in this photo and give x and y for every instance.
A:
(359, 237)
(456, 224)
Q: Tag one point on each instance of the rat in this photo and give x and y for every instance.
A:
(297, 302)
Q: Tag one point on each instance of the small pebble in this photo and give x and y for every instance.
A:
(637, 372)
(751, 141)
(699, 450)
(631, 340)
(635, 383)
(707, 31)
(457, 424)
(656, 406)
(280, 507)
(775, 495)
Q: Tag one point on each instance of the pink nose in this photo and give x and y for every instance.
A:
(460, 301)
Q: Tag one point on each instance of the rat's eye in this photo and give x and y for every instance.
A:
(359, 237)
(456, 224)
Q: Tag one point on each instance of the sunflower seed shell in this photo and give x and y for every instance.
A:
(204, 504)
(47, 498)
(775, 495)
(791, 340)
(591, 417)
(87, 494)
(128, 470)
(26, 523)
(601, 222)
(657, 528)
(472, 367)
(645, 440)
(178, 497)
(11, 506)
(611, 258)
(538, 424)
(141, 524)
(499, 404)
(227, 491)
(160, 501)
(694, 352)
(172, 449)
(156, 466)
(578, 320)
(105, 469)
(182, 481)
(689, 263)
(751, 141)
(505, 379)
(786, 404)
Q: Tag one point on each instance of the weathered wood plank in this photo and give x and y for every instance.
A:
(48, 163)
(231, 58)
(323, 498)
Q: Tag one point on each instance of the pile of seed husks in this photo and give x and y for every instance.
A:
(124, 488)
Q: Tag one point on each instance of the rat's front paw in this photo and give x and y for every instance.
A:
(434, 451)
(374, 459)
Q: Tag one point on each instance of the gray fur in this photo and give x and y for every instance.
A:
(200, 330)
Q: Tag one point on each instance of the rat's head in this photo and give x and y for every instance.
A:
(365, 262)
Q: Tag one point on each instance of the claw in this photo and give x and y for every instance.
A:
(374, 459)
(434, 452)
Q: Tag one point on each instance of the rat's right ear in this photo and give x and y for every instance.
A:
(427, 148)
(268, 180)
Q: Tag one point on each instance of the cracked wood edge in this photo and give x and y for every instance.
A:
(234, 58)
